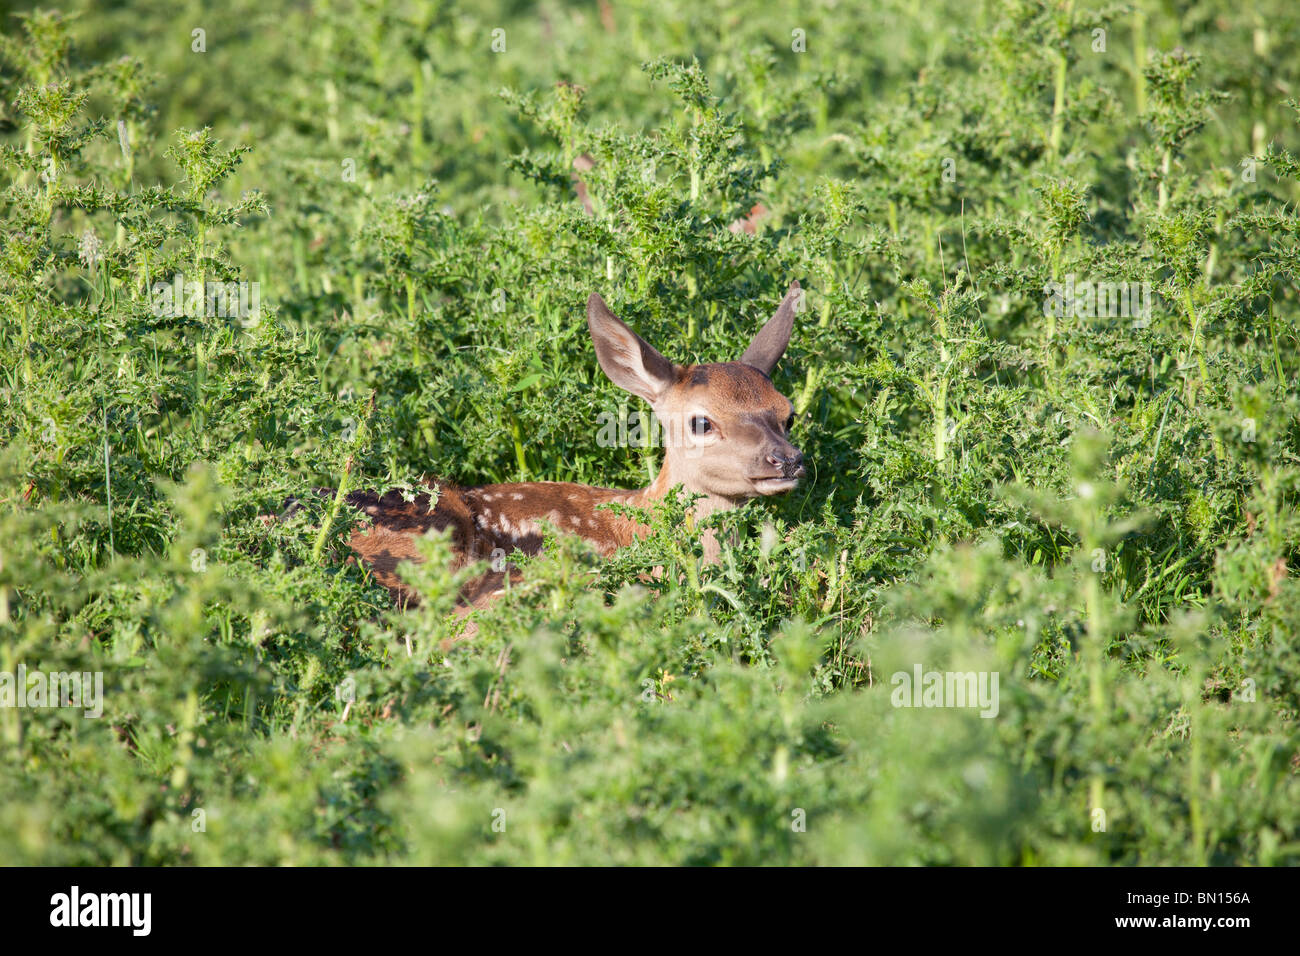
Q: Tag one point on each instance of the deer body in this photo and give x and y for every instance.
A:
(484, 522)
(726, 428)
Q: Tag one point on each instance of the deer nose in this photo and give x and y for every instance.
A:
(791, 464)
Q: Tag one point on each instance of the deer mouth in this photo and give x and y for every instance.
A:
(775, 485)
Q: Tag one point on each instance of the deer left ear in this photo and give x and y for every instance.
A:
(769, 344)
(629, 360)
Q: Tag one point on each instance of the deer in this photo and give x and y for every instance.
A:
(727, 440)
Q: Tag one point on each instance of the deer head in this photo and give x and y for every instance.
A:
(726, 427)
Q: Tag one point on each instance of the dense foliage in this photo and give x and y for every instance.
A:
(1005, 477)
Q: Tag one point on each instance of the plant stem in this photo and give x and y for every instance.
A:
(108, 485)
(939, 400)
(521, 458)
(1162, 196)
(1140, 60)
(1192, 347)
(1058, 105)
(345, 482)
(814, 374)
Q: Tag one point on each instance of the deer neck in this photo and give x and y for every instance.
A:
(703, 507)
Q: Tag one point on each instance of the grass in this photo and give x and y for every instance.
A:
(1099, 508)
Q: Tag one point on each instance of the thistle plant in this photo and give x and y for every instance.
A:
(1044, 372)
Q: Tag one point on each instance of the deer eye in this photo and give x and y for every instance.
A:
(789, 424)
(700, 425)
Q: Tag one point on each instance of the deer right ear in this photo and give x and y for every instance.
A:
(770, 342)
(629, 361)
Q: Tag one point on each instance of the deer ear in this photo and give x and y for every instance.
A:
(770, 342)
(629, 361)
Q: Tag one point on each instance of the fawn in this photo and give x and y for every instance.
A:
(727, 438)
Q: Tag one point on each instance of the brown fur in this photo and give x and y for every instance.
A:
(743, 455)
(482, 520)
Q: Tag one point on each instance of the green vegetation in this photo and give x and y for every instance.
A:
(1005, 477)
